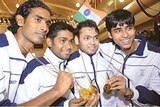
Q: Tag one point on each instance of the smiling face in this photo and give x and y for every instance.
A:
(88, 40)
(61, 45)
(123, 36)
(34, 28)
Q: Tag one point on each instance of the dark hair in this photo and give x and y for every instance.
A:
(24, 10)
(58, 26)
(121, 17)
(86, 23)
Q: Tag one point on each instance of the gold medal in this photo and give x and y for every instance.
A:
(107, 89)
(84, 93)
(92, 89)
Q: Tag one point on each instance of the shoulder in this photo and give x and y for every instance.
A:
(31, 66)
(153, 48)
(3, 40)
(74, 56)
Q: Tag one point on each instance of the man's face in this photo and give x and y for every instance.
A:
(123, 36)
(88, 40)
(61, 45)
(35, 27)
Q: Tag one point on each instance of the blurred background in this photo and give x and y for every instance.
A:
(147, 15)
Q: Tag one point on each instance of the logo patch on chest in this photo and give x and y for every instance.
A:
(12, 81)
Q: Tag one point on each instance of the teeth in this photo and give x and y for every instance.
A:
(125, 41)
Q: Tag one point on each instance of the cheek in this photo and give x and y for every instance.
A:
(97, 42)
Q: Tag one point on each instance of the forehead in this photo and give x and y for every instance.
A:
(41, 12)
(88, 31)
(65, 34)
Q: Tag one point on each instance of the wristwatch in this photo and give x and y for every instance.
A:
(129, 94)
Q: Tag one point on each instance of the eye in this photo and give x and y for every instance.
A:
(117, 31)
(86, 38)
(96, 38)
(48, 23)
(62, 41)
(38, 19)
(72, 41)
(129, 28)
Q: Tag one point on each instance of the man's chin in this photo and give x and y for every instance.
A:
(91, 53)
(65, 58)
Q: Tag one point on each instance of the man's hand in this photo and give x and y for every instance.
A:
(73, 24)
(93, 100)
(118, 83)
(64, 82)
(77, 102)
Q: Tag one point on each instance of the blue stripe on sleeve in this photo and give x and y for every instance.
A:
(7, 103)
(148, 96)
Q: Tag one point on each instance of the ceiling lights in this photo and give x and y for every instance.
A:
(77, 4)
(17, 5)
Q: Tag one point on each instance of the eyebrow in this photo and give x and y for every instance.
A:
(121, 28)
(116, 29)
(42, 18)
(91, 36)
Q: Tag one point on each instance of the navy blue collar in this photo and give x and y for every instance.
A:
(141, 46)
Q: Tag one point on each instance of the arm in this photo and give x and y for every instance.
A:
(2, 83)
(63, 83)
(2, 86)
(2, 91)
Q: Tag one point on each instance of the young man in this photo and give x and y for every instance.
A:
(133, 62)
(59, 42)
(29, 26)
(88, 65)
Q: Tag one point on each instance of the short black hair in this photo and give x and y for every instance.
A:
(24, 10)
(58, 26)
(86, 23)
(119, 16)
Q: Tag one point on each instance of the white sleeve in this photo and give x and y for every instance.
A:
(2, 76)
(2, 84)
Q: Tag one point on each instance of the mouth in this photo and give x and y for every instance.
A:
(67, 52)
(41, 35)
(126, 41)
(92, 47)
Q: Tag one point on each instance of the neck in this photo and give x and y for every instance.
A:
(24, 50)
(132, 49)
(23, 43)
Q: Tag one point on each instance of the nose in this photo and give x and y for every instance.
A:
(69, 45)
(44, 27)
(124, 34)
(93, 40)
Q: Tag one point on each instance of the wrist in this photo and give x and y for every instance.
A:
(129, 94)
(57, 92)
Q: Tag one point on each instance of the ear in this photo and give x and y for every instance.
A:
(20, 20)
(109, 35)
(76, 40)
(49, 42)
